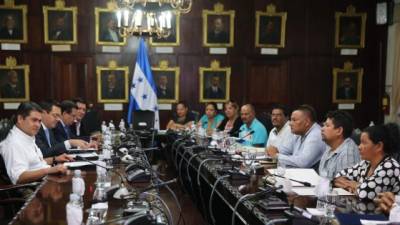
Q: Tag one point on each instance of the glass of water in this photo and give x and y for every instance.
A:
(280, 168)
(330, 205)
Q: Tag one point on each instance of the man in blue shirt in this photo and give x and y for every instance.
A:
(252, 132)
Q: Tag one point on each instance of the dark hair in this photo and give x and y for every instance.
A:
(213, 104)
(25, 109)
(388, 134)
(184, 103)
(79, 100)
(309, 111)
(342, 119)
(48, 105)
(67, 106)
(282, 107)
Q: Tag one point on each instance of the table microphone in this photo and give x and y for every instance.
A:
(245, 136)
(306, 184)
(153, 186)
(104, 167)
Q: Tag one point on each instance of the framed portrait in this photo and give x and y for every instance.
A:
(214, 83)
(13, 19)
(167, 82)
(218, 27)
(350, 28)
(106, 26)
(112, 83)
(173, 39)
(270, 28)
(60, 24)
(14, 81)
(347, 84)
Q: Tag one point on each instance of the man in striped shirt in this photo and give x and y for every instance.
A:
(341, 151)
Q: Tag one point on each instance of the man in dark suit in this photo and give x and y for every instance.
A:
(45, 139)
(346, 91)
(12, 89)
(163, 92)
(60, 31)
(62, 131)
(214, 91)
(218, 33)
(110, 33)
(111, 90)
(9, 31)
(271, 33)
(79, 127)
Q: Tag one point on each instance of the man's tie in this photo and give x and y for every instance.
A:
(46, 131)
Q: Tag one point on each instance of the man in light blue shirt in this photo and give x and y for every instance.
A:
(306, 148)
(252, 132)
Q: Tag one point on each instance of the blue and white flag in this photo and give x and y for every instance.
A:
(143, 89)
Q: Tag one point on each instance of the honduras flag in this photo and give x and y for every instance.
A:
(143, 89)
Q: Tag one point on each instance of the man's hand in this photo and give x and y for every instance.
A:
(79, 143)
(60, 168)
(64, 158)
(385, 201)
(272, 151)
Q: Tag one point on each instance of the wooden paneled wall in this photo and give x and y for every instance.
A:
(301, 73)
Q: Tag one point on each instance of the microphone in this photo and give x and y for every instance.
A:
(306, 184)
(104, 167)
(245, 136)
(12, 187)
(151, 187)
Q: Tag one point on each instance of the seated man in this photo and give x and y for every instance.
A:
(252, 132)
(23, 159)
(281, 133)
(78, 128)
(45, 137)
(62, 132)
(341, 152)
(306, 149)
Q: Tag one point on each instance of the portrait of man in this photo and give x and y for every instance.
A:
(60, 25)
(218, 27)
(112, 85)
(173, 39)
(12, 83)
(347, 88)
(165, 82)
(13, 24)
(270, 30)
(107, 32)
(214, 85)
(347, 84)
(350, 29)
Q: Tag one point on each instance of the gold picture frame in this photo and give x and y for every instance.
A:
(14, 81)
(17, 16)
(218, 36)
(270, 28)
(217, 77)
(162, 75)
(115, 89)
(60, 24)
(174, 38)
(347, 84)
(106, 17)
(350, 28)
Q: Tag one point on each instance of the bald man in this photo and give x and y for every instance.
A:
(252, 131)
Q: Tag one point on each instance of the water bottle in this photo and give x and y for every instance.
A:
(394, 215)
(103, 127)
(111, 125)
(371, 124)
(74, 210)
(122, 125)
(78, 185)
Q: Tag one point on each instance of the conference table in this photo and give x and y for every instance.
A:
(197, 170)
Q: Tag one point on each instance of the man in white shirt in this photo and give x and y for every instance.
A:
(23, 159)
(281, 133)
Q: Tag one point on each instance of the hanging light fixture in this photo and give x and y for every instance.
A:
(149, 17)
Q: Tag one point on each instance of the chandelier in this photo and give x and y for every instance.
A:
(149, 17)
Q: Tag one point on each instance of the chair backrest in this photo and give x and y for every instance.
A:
(142, 119)
(4, 179)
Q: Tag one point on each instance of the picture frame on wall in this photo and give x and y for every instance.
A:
(270, 28)
(167, 82)
(14, 81)
(218, 27)
(60, 24)
(13, 23)
(173, 39)
(106, 26)
(112, 83)
(214, 83)
(350, 28)
(347, 84)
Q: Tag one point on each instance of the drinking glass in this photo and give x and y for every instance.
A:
(331, 201)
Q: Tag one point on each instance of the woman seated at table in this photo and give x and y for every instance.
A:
(182, 117)
(211, 119)
(232, 122)
(378, 171)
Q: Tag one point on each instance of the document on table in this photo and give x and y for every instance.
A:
(85, 155)
(310, 191)
(303, 175)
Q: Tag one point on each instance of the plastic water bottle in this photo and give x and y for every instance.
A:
(371, 124)
(103, 127)
(111, 125)
(74, 210)
(394, 215)
(78, 185)
(122, 125)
